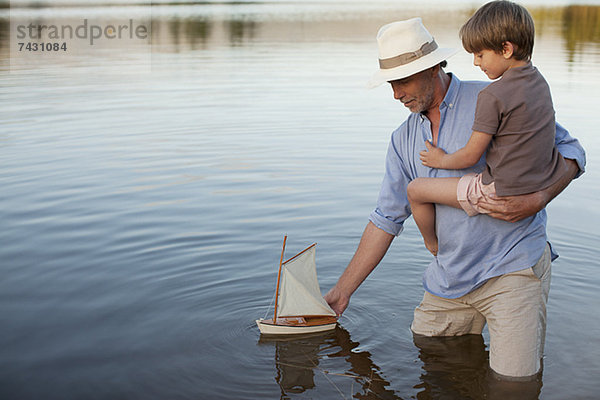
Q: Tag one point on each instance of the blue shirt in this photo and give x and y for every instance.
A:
(474, 249)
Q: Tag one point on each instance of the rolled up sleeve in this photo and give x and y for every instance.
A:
(393, 207)
(570, 148)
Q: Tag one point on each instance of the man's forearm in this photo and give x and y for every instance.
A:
(373, 245)
(552, 191)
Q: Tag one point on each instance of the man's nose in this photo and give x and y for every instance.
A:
(398, 93)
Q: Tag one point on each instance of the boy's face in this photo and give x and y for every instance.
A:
(491, 63)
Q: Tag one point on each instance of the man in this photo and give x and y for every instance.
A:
(492, 268)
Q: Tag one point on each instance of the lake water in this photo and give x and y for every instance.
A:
(145, 195)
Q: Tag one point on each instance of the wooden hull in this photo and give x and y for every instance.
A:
(296, 325)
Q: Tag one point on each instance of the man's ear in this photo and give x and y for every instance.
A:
(508, 49)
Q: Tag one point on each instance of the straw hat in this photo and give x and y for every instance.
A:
(405, 48)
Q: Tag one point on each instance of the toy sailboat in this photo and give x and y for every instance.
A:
(299, 306)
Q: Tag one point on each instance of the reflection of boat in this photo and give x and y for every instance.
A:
(300, 360)
(299, 305)
(297, 358)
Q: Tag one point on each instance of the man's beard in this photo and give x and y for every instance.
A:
(424, 102)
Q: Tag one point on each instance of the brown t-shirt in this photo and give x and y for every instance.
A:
(517, 110)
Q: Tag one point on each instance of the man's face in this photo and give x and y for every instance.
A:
(416, 91)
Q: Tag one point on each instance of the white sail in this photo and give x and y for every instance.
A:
(299, 292)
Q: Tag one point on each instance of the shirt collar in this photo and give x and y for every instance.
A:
(519, 70)
(451, 93)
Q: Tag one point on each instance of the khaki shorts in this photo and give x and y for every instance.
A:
(514, 307)
(470, 191)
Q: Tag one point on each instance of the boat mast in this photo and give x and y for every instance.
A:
(278, 278)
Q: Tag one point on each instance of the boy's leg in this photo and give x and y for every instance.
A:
(470, 191)
(422, 194)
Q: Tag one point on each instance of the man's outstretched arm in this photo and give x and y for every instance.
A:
(516, 208)
(373, 245)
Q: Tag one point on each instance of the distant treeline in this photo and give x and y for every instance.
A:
(577, 24)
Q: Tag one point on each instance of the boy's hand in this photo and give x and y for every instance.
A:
(433, 156)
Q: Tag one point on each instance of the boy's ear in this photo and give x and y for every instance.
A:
(507, 49)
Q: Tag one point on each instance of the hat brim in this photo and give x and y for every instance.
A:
(385, 75)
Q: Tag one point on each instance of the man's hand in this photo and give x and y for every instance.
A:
(433, 156)
(337, 301)
(514, 208)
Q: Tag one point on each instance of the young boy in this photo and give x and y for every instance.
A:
(514, 117)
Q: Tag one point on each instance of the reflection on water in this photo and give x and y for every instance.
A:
(191, 33)
(142, 213)
(458, 368)
(453, 368)
(298, 358)
(580, 27)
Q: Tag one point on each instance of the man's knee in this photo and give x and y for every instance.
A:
(436, 316)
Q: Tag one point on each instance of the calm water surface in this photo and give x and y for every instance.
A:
(143, 209)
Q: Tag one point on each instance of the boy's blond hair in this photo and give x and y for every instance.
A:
(496, 23)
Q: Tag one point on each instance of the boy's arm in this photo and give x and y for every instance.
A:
(434, 157)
